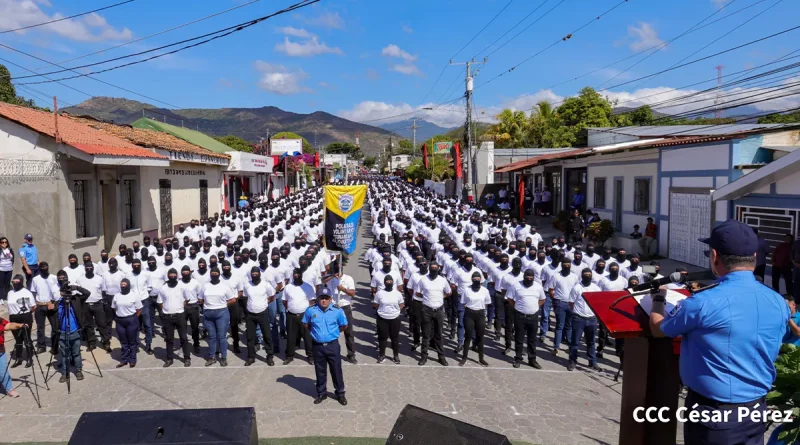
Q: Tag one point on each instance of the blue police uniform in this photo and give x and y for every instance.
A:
(324, 326)
(790, 338)
(31, 258)
(730, 338)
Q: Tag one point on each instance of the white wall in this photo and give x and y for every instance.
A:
(711, 157)
(789, 185)
(597, 168)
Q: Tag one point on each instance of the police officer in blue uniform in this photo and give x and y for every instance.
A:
(325, 322)
(30, 260)
(730, 338)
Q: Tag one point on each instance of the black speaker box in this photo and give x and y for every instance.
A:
(416, 426)
(206, 426)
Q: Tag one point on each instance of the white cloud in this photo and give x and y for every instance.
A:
(281, 80)
(643, 37)
(89, 28)
(408, 67)
(407, 29)
(368, 111)
(330, 20)
(294, 32)
(308, 48)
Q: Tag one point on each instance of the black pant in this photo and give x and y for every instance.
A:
(110, 315)
(193, 318)
(416, 320)
(730, 431)
(296, 331)
(388, 329)
(499, 309)
(786, 274)
(510, 322)
(170, 323)
(34, 268)
(432, 327)
(349, 338)
(22, 336)
(451, 309)
(328, 355)
(95, 317)
(5, 283)
(236, 318)
(525, 325)
(252, 320)
(40, 315)
(474, 324)
(760, 271)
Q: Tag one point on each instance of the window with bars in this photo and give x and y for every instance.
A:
(79, 194)
(129, 204)
(600, 193)
(641, 196)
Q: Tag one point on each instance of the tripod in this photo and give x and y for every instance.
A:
(65, 348)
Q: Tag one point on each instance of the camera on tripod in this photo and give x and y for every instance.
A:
(68, 291)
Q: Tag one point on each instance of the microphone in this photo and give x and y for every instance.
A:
(675, 277)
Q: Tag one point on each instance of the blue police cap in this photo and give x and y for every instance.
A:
(732, 238)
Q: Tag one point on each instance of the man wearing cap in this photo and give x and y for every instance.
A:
(731, 335)
(325, 322)
(30, 259)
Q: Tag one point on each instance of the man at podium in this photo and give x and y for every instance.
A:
(730, 337)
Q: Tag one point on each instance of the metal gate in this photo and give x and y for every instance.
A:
(689, 219)
(203, 199)
(772, 224)
(165, 202)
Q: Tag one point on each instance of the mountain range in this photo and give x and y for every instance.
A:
(248, 123)
(425, 129)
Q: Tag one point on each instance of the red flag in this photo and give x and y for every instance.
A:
(457, 159)
(316, 160)
(425, 155)
(521, 197)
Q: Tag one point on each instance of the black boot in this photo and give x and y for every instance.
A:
(463, 360)
(483, 362)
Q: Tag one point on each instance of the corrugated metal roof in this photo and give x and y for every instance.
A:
(533, 161)
(687, 130)
(75, 134)
(191, 136)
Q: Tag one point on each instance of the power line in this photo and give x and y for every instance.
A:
(60, 83)
(216, 35)
(510, 29)
(527, 27)
(67, 18)
(563, 39)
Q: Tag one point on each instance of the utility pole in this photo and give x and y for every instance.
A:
(390, 154)
(414, 138)
(468, 125)
(717, 99)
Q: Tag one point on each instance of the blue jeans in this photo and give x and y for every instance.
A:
(588, 328)
(148, 319)
(274, 321)
(460, 310)
(70, 346)
(281, 315)
(544, 319)
(5, 377)
(563, 322)
(217, 322)
(128, 334)
(490, 309)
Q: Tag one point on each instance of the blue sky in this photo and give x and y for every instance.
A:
(367, 60)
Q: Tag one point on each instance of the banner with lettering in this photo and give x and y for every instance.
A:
(343, 205)
(440, 148)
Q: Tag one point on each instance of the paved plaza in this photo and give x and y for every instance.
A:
(549, 407)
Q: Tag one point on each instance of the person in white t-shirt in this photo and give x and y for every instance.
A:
(526, 297)
(433, 289)
(343, 288)
(297, 296)
(475, 299)
(389, 303)
(260, 294)
(584, 321)
(216, 296)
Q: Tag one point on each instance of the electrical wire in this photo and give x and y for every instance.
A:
(511, 29)
(526, 28)
(67, 18)
(60, 83)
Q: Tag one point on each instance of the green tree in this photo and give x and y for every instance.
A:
(346, 148)
(370, 161)
(236, 143)
(545, 128)
(511, 130)
(439, 169)
(789, 118)
(587, 109)
(405, 148)
(8, 93)
(307, 148)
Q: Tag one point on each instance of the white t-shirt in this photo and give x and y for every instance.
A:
(526, 299)
(258, 295)
(340, 298)
(94, 285)
(172, 299)
(20, 302)
(388, 303)
(433, 291)
(216, 296)
(607, 284)
(477, 301)
(126, 305)
(191, 290)
(297, 298)
(576, 297)
(378, 276)
(562, 285)
(42, 288)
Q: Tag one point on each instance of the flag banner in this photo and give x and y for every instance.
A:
(343, 205)
(456, 154)
(425, 155)
(440, 148)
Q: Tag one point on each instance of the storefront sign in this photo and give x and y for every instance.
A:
(181, 156)
(248, 162)
(179, 172)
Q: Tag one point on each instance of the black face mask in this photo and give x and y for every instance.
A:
(621, 257)
(586, 280)
(255, 278)
(172, 280)
(104, 258)
(565, 271)
(226, 272)
(634, 265)
(186, 277)
(527, 281)
(17, 286)
(606, 256)
(297, 280)
(152, 265)
(215, 278)
(389, 285)
(201, 269)
(541, 260)
(504, 265)
(423, 270)
(387, 268)
(613, 273)
(434, 273)
(73, 265)
(124, 290)
(136, 269)
(276, 261)
(89, 272)
(590, 251)
(238, 262)
(476, 285)
(599, 269)
(263, 264)
(212, 264)
(168, 261)
(468, 265)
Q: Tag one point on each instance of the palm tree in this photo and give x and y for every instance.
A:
(511, 128)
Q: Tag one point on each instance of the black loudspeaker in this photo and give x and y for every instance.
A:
(416, 426)
(206, 426)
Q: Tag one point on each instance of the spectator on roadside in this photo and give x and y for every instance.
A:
(537, 201)
(792, 335)
(528, 201)
(575, 227)
(578, 199)
(782, 264)
(490, 203)
(649, 239)
(636, 234)
(6, 267)
(761, 257)
(503, 193)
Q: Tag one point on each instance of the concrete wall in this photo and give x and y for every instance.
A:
(185, 181)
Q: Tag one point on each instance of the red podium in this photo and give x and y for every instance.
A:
(650, 368)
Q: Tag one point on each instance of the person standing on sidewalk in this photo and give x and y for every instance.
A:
(575, 227)
(30, 259)
(343, 289)
(325, 322)
(6, 268)
(782, 264)
(584, 321)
